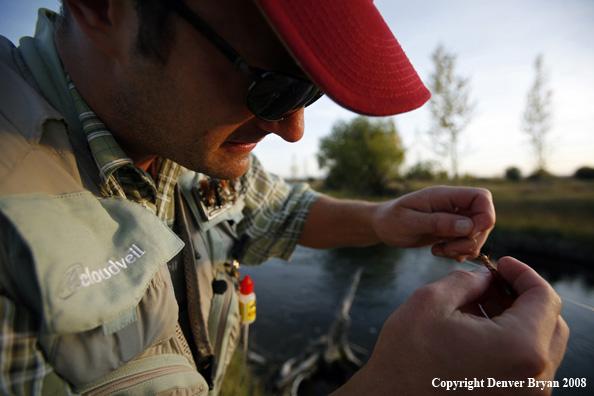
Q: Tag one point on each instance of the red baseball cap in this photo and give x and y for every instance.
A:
(348, 50)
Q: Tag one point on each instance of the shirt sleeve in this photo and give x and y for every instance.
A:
(275, 214)
(23, 367)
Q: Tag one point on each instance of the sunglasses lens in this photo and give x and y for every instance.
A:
(276, 96)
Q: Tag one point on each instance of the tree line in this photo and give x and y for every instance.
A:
(367, 153)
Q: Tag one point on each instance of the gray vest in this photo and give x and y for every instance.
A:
(107, 302)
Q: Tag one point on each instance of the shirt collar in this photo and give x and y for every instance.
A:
(107, 152)
(117, 170)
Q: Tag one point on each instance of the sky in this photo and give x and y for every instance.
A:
(496, 43)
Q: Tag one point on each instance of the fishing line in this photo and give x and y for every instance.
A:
(563, 298)
(579, 304)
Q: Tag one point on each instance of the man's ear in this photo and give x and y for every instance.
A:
(103, 22)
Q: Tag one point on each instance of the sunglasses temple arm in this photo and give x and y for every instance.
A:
(185, 12)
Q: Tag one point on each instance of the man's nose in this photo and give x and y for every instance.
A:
(290, 129)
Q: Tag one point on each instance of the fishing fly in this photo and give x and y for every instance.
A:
(504, 289)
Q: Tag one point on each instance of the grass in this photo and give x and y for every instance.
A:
(561, 209)
(234, 384)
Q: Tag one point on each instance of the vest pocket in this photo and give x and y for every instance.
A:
(162, 375)
(84, 357)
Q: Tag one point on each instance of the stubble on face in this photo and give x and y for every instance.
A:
(191, 109)
(159, 113)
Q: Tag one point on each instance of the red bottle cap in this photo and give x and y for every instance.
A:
(246, 285)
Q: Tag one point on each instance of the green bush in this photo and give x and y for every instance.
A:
(541, 175)
(422, 170)
(513, 174)
(584, 173)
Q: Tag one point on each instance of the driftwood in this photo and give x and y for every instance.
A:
(330, 350)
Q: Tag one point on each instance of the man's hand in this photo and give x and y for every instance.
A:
(455, 220)
(432, 337)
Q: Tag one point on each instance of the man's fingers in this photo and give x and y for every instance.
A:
(463, 199)
(461, 248)
(455, 290)
(524, 279)
(537, 304)
(443, 224)
(559, 341)
(462, 236)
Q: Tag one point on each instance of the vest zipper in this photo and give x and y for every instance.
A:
(223, 320)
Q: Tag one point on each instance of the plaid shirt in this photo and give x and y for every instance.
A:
(119, 175)
(274, 216)
(275, 211)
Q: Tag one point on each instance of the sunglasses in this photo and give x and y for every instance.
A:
(272, 96)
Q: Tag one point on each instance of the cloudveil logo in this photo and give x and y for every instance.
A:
(77, 276)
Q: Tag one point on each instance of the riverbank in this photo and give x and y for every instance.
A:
(553, 218)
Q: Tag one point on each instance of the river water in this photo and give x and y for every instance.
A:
(296, 301)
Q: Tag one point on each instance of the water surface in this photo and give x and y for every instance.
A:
(297, 300)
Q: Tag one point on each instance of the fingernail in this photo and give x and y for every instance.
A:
(463, 226)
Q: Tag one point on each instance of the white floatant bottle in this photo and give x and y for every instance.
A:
(247, 301)
(247, 311)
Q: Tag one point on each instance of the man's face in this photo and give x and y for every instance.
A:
(192, 108)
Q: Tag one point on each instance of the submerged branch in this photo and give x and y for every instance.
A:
(327, 351)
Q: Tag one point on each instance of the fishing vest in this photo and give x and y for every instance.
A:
(108, 308)
(94, 270)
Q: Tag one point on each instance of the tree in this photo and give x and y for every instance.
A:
(537, 116)
(584, 173)
(364, 154)
(422, 170)
(513, 173)
(450, 106)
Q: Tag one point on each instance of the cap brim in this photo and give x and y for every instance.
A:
(347, 49)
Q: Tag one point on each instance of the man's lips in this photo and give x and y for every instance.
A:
(240, 146)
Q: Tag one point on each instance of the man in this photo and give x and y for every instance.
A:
(126, 139)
